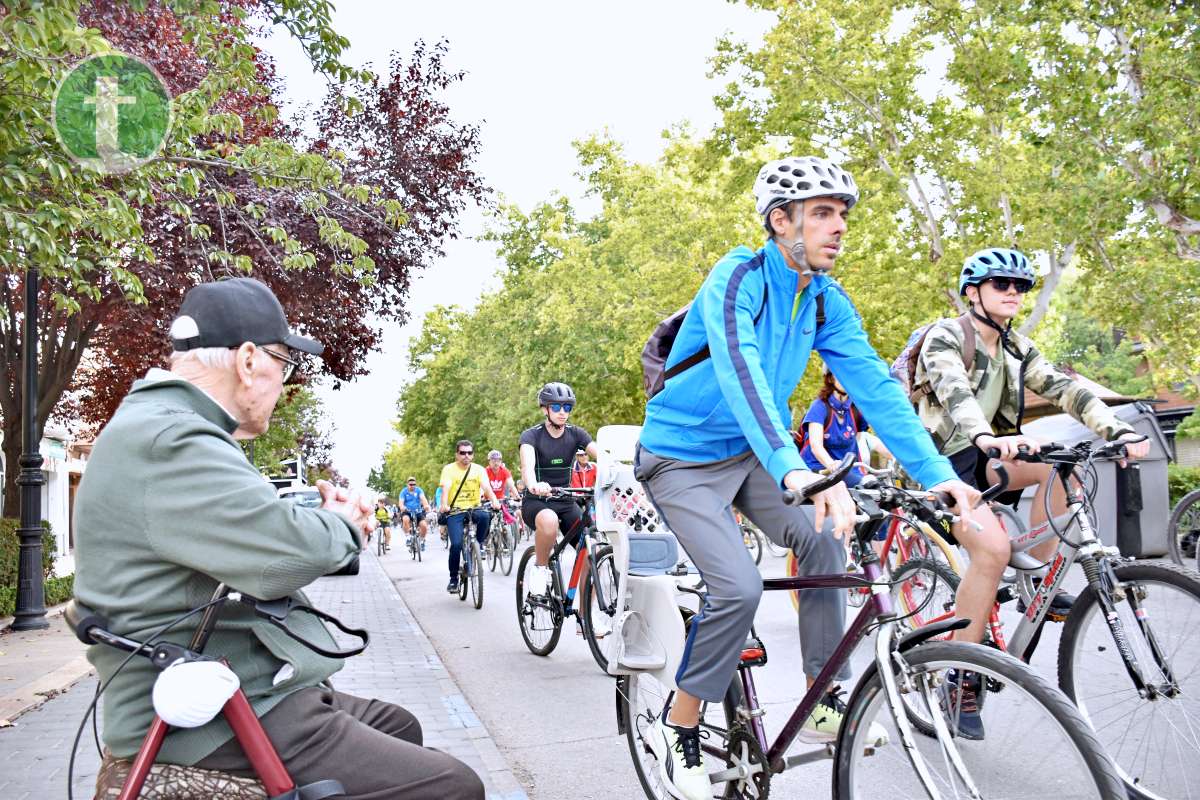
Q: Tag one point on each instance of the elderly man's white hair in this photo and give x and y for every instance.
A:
(210, 357)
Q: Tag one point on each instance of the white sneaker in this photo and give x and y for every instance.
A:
(680, 763)
(539, 580)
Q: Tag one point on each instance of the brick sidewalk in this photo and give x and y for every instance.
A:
(400, 666)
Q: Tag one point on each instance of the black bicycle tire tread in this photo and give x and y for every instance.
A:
(529, 555)
(1184, 503)
(1055, 702)
(585, 609)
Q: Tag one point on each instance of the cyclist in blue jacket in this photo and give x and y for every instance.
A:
(716, 436)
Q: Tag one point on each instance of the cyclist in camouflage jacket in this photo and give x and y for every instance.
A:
(971, 411)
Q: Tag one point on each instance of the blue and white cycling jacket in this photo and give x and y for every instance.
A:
(737, 400)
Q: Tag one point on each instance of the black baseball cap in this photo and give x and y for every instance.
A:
(230, 312)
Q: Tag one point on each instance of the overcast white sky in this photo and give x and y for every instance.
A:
(540, 74)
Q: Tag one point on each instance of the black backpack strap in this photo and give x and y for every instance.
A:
(704, 352)
(820, 309)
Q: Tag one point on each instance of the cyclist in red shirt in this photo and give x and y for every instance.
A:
(583, 471)
(502, 484)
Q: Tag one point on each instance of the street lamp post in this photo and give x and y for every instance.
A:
(31, 599)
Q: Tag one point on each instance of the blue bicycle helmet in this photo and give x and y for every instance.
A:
(994, 262)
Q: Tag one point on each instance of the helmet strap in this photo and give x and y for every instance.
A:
(986, 319)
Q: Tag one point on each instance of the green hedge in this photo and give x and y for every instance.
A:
(10, 562)
(1182, 480)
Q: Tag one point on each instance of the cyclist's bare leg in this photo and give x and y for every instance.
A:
(387, 535)
(989, 550)
(546, 532)
(1022, 474)
(424, 527)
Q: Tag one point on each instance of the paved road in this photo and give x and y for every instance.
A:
(553, 718)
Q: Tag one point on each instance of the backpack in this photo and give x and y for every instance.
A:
(904, 368)
(658, 346)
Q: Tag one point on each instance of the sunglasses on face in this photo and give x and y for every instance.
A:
(557, 407)
(412, 484)
(466, 452)
(1003, 284)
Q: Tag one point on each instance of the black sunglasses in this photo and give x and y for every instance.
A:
(466, 452)
(1003, 284)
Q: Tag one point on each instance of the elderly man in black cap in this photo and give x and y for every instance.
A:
(169, 507)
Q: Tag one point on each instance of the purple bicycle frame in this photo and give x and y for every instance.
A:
(880, 605)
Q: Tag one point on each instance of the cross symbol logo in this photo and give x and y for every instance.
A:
(112, 113)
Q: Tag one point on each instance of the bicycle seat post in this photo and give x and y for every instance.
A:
(208, 622)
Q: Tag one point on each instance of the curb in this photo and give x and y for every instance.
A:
(51, 685)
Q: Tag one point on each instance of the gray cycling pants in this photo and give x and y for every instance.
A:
(695, 501)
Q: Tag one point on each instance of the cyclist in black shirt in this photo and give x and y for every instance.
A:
(547, 454)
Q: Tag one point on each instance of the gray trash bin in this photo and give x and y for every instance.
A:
(1132, 504)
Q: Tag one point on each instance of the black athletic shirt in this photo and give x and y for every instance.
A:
(553, 458)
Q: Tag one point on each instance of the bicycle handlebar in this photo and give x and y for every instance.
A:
(835, 477)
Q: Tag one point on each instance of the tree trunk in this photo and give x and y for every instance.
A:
(12, 466)
(1058, 264)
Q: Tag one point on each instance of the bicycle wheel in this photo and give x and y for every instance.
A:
(418, 546)
(597, 619)
(493, 548)
(753, 542)
(540, 618)
(1037, 744)
(923, 592)
(1183, 531)
(1154, 740)
(476, 574)
(507, 545)
(379, 542)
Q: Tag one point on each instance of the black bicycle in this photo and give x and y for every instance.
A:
(1183, 531)
(381, 545)
(541, 616)
(470, 570)
(499, 545)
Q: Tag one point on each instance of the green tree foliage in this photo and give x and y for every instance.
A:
(298, 425)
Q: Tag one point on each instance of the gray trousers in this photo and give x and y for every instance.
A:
(372, 747)
(695, 501)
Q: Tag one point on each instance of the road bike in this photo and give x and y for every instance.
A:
(133, 776)
(540, 617)
(499, 545)
(470, 570)
(1183, 531)
(1129, 654)
(896, 739)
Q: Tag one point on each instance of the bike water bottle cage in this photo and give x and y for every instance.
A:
(276, 612)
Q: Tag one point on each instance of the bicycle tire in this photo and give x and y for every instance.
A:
(634, 721)
(1183, 531)
(526, 614)
(1019, 682)
(753, 542)
(493, 552)
(1185, 663)
(604, 564)
(477, 574)
(379, 551)
(507, 546)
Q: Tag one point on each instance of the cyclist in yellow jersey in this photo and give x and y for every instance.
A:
(462, 482)
(384, 520)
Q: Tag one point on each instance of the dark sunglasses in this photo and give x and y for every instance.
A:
(466, 452)
(412, 483)
(557, 407)
(1002, 284)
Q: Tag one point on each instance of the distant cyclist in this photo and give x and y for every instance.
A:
(501, 481)
(414, 507)
(583, 471)
(461, 485)
(969, 412)
(547, 455)
(383, 518)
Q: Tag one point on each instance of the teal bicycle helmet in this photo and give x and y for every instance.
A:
(995, 262)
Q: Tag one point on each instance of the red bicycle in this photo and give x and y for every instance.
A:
(92, 628)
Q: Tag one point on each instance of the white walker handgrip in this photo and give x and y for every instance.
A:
(191, 694)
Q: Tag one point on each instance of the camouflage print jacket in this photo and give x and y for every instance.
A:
(951, 400)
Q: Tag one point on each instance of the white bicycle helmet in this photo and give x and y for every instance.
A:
(800, 178)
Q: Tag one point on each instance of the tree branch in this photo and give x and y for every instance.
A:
(1058, 264)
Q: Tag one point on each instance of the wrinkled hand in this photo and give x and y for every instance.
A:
(834, 501)
(350, 504)
(1009, 446)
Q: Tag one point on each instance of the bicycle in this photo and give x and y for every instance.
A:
(381, 546)
(273, 779)
(1183, 531)
(470, 570)
(415, 542)
(541, 617)
(499, 545)
(1129, 655)
(1046, 749)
